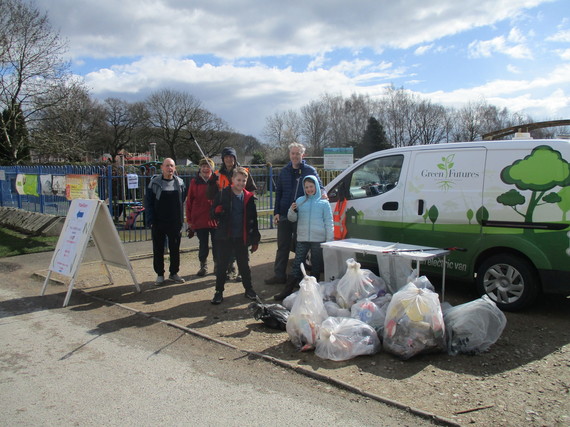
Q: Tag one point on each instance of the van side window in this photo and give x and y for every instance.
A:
(375, 177)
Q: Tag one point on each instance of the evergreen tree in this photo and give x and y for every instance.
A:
(374, 139)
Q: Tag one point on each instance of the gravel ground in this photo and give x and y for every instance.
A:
(523, 380)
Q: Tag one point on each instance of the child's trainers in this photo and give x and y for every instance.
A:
(176, 278)
(250, 293)
(218, 298)
(159, 281)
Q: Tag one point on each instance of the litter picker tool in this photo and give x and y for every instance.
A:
(197, 145)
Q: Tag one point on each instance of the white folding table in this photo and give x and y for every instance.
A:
(336, 253)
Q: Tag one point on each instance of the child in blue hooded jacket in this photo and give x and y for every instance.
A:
(314, 226)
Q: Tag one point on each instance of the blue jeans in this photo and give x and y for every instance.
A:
(302, 249)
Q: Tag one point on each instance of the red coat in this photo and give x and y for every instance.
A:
(198, 205)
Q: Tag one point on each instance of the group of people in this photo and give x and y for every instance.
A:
(219, 207)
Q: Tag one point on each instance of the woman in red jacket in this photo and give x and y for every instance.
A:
(198, 212)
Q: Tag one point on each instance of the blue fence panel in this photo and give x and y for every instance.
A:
(112, 186)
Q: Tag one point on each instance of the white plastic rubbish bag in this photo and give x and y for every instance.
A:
(372, 311)
(378, 283)
(354, 285)
(334, 310)
(328, 290)
(414, 323)
(474, 326)
(290, 300)
(367, 311)
(423, 282)
(307, 314)
(343, 338)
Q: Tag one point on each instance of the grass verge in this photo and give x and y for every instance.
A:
(14, 243)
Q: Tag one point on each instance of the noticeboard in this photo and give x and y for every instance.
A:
(338, 158)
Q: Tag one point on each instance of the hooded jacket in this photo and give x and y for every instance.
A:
(224, 175)
(289, 186)
(313, 216)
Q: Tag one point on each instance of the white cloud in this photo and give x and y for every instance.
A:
(251, 28)
(561, 36)
(424, 49)
(514, 45)
(513, 69)
(564, 54)
(245, 60)
(517, 95)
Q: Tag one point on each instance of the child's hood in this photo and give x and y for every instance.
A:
(313, 178)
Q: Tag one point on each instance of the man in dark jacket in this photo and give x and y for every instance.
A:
(289, 188)
(164, 209)
(234, 209)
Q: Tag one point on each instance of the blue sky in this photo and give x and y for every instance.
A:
(247, 60)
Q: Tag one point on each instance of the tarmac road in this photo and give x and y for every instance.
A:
(59, 368)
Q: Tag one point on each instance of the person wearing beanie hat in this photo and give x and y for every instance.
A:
(224, 176)
(207, 161)
(198, 212)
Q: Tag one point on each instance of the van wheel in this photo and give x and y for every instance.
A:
(510, 281)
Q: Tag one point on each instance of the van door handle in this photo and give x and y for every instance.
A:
(420, 207)
(390, 206)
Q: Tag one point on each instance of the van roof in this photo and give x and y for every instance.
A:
(505, 143)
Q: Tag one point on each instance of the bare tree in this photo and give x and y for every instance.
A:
(171, 114)
(124, 121)
(470, 121)
(430, 122)
(282, 129)
(31, 66)
(315, 126)
(70, 127)
(210, 131)
(274, 129)
(347, 118)
(398, 115)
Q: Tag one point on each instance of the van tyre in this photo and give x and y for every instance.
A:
(510, 281)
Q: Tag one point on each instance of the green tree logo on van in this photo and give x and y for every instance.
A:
(446, 165)
(538, 172)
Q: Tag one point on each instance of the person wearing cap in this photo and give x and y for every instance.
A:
(224, 179)
(164, 208)
(198, 213)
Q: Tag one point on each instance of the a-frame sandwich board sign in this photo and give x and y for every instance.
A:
(85, 219)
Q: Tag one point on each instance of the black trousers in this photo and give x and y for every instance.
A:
(226, 249)
(160, 231)
(204, 235)
(285, 230)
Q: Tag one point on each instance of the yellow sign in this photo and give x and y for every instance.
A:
(81, 187)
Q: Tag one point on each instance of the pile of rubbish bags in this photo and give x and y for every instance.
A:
(361, 313)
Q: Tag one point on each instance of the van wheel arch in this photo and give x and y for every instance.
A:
(509, 278)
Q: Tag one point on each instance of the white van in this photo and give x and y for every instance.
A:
(506, 202)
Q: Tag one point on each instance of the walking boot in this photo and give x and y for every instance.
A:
(292, 283)
(203, 269)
